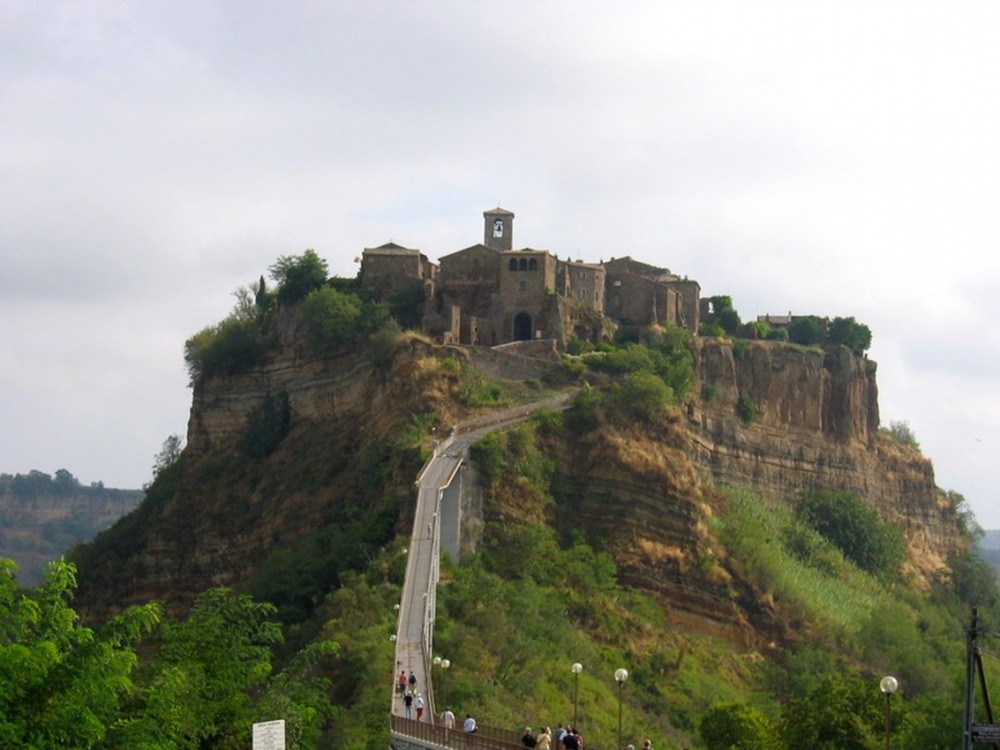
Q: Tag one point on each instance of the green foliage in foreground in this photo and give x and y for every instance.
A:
(201, 683)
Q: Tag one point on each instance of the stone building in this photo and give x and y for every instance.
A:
(489, 293)
(390, 268)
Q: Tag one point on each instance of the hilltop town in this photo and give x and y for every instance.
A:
(490, 294)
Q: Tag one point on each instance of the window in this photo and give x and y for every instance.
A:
(513, 264)
(523, 286)
(533, 264)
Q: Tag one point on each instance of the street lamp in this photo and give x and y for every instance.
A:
(444, 664)
(620, 676)
(888, 686)
(577, 668)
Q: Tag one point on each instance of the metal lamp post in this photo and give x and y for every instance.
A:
(620, 676)
(888, 686)
(577, 668)
(444, 664)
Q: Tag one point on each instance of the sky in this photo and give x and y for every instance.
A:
(830, 158)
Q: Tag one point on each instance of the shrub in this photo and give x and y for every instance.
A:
(710, 330)
(746, 409)
(231, 347)
(643, 394)
(856, 529)
(331, 320)
(901, 432)
(266, 427)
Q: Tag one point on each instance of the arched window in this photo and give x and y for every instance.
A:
(533, 264)
(522, 264)
(513, 264)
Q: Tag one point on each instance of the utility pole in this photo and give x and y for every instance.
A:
(988, 733)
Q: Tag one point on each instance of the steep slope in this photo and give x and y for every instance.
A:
(339, 483)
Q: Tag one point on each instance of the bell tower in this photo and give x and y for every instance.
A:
(498, 229)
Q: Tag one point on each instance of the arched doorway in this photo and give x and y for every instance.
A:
(522, 327)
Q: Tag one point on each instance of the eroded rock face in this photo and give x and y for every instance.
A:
(647, 492)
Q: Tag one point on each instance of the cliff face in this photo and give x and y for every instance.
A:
(815, 426)
(36, 529)
(643, 491)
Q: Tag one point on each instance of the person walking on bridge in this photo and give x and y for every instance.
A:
(448, 718)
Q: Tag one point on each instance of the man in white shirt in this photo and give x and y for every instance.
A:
(448, 719)
(470, 724)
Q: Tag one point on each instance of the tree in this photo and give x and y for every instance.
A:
(298, 275)
(730, 321)
(61, 684)
(209, 674)
(806, 331)
(837, 714)
(736, 726)
(170, 453)
(847, 331)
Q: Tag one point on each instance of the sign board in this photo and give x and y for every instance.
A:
(986, 732)
(269, 735)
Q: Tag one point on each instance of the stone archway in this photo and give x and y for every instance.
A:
(522, 327)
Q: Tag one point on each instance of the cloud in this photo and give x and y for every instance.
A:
(829, 158)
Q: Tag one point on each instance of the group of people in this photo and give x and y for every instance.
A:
(412, 700)
(564, 738)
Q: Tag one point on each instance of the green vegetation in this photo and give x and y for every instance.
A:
(856, 529)
(746, 409)
(298, 276)
(201, 681)
(334, 314)
(902, 433)
(805, 330)
(639, 380)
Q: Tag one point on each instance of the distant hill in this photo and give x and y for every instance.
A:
(991, 540)
(43, 516)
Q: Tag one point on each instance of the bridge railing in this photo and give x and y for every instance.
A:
(485, 738)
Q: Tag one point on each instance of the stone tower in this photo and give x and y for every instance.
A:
(498, 229)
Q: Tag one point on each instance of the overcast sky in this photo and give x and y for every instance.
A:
(835, 158)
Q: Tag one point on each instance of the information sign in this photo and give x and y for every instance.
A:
(986, 732)
(269, 735)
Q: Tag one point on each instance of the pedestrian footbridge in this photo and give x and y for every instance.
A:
(437, 527)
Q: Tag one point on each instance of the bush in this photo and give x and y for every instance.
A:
(331, 320)
(901, 432)
(643, 394)
(266, 427)
(856, 529)
(710, 330)
(746, 409)
(231, 347)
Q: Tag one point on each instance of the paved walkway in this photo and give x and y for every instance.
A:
(415, 628)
